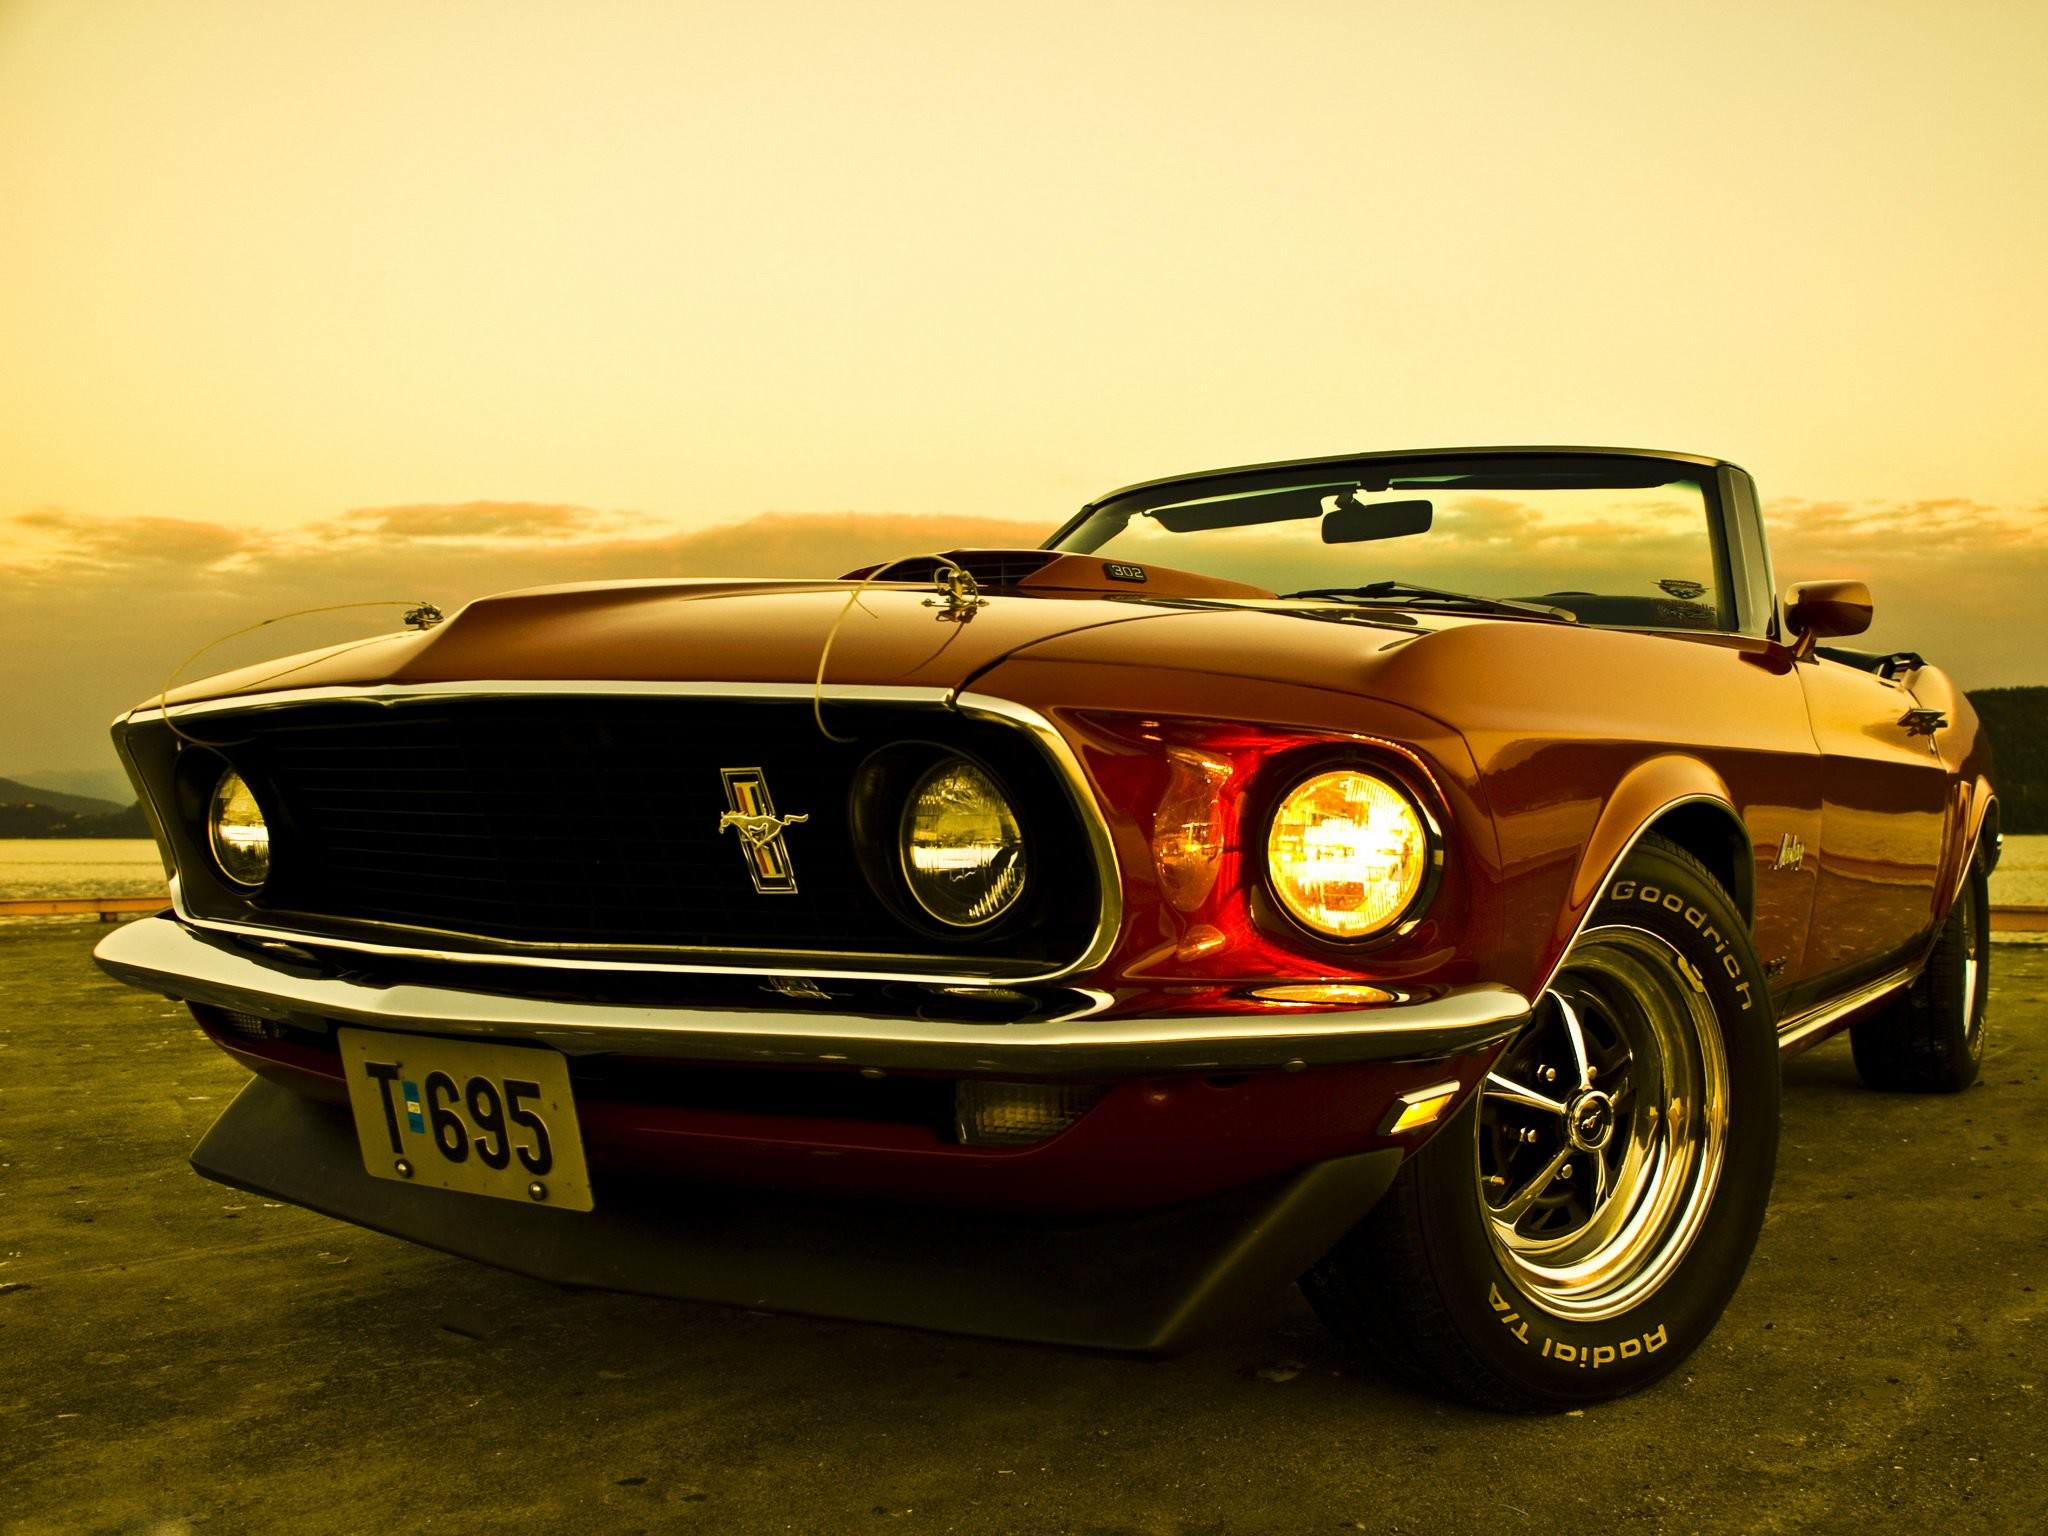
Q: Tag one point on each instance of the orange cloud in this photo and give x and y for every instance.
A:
(1912, 530)
(101, 609)
(1959, 581)
(54, 537)
(474, 520)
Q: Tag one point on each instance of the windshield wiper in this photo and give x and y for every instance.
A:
(1396, 591)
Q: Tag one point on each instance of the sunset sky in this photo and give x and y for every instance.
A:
(317, 302)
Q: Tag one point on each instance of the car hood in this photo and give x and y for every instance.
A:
(877, 636)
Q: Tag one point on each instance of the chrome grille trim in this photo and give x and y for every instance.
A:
(656, 959)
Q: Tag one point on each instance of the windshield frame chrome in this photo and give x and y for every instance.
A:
(1739, 551)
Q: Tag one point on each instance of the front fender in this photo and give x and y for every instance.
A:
(1647, 795)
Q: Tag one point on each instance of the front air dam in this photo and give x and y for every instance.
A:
(1155, 1283)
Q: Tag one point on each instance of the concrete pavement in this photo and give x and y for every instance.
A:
(177, 1357)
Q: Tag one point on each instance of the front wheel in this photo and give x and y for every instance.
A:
(1579, 1227)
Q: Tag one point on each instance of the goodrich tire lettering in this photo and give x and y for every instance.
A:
(1578, 1227)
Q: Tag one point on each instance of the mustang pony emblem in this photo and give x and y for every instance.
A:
(760, 829)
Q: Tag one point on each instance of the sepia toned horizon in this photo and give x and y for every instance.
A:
(315, 304)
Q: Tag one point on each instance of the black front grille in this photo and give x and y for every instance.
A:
(567, 820)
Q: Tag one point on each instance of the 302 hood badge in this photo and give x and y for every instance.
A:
(760, 829)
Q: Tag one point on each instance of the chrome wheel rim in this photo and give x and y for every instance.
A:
(1603, 1128)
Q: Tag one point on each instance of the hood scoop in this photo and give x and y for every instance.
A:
(1051, 570)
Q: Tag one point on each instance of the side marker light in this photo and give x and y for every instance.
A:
(1413, 1110)
(1324, 992)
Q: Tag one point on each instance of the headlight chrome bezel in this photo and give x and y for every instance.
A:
(1006, 805)
(1275, 902)
(225, 850)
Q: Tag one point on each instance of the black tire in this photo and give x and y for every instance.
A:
(1552, 1245)
(1931, 1038)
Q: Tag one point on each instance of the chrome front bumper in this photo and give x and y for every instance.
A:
(160, 954)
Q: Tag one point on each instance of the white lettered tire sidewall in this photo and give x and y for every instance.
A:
(1547, 1357)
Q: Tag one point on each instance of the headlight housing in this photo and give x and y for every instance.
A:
(1347, 854)
(237, 831)
(962, 846)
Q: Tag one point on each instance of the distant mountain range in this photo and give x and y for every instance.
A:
(2016, 720)
(14, 792)
(108, 785)
(28, 811)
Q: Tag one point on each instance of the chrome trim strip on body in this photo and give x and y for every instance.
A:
(396, 693)
(162, 955)
(836, 964)
(1332, 460)
(1796, 1032)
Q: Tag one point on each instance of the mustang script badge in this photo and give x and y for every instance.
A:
(760, 829)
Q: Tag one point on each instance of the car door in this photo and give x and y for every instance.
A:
(1883, 794)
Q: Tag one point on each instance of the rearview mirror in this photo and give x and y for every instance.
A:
(1355, 522)
(1284, 505)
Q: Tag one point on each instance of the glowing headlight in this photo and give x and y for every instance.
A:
(1347, 853)
(237, 831)
(963, 852)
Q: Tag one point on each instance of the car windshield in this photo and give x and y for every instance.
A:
(1606, 540)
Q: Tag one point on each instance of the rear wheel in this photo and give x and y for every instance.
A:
(1931, 1038)
(1578, 1228)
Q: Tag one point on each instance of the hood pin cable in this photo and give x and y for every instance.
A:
(956, 589)
(420, 615)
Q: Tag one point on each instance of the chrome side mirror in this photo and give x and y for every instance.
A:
(1818, 610)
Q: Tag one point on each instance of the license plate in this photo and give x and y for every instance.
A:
(485, 1119)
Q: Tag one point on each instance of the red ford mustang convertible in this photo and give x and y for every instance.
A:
(1400, 873)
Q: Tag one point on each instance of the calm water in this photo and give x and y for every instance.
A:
(129, 867)
(85, 866)
(2022, 877)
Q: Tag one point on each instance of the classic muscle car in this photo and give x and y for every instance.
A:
(1400, 872)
